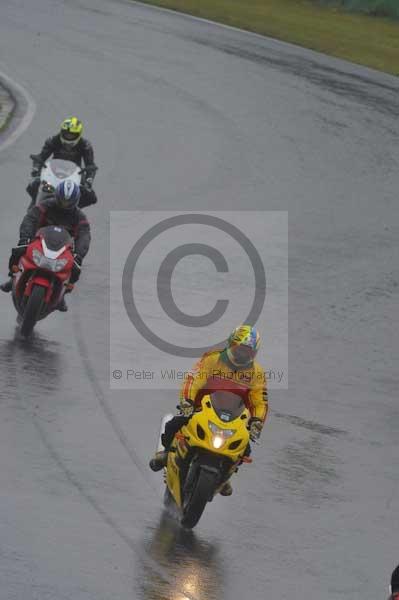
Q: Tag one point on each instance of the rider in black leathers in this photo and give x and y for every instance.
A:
(51, 213)
(68, 144)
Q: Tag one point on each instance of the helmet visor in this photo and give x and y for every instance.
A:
(241, 354)
(70, 136)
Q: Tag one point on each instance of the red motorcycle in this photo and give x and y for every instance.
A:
(41, 276)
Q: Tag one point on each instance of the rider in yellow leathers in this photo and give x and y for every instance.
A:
(232, 369)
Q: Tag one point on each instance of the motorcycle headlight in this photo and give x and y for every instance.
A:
(219, 435)
(47, 187)
(47, 263)
(37, 256)
(224, 433)
(51, 264)
(60, 264)
(217, 441)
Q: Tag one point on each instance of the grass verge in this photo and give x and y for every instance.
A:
(366, 40)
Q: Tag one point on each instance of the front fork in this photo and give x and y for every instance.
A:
(28, 279)
(212, 464)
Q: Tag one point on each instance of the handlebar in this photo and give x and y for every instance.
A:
(86, 170)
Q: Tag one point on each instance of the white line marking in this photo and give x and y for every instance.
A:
(27, 117)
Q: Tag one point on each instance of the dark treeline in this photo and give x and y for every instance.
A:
(388, 8)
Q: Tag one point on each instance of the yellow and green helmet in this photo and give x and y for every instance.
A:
(71, 131)
(242, 345)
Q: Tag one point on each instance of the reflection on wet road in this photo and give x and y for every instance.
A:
(194, 564)
(40, 359)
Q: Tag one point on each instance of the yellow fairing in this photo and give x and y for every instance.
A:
(206, 430)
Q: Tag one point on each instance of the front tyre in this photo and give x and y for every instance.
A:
(32, 310)
(202, 491)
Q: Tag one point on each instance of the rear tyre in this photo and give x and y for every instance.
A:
(32, 310)
(202, 492)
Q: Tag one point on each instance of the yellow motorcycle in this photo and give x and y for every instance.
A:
(205, 453)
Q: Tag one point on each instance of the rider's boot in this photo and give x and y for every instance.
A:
(226, 489)
(159, 461)
(6, 286)
(62, 305)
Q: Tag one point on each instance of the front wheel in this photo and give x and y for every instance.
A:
(193, 506)
(32, 310)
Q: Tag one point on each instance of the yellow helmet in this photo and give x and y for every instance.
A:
(71, 131)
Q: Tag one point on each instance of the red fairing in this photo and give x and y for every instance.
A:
(28, 262)
(42, 276)
(65, 272)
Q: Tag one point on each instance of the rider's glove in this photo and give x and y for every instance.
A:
(186, 407)
(17, 252)
(255, 428)
(20, 248)
(89, 183)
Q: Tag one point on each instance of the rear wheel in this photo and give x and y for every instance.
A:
(202, 491)
(32, 310)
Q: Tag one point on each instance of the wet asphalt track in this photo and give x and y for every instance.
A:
(187, 115)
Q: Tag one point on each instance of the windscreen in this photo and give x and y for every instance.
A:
(62, 168)
(55, 237)
(227, 405)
